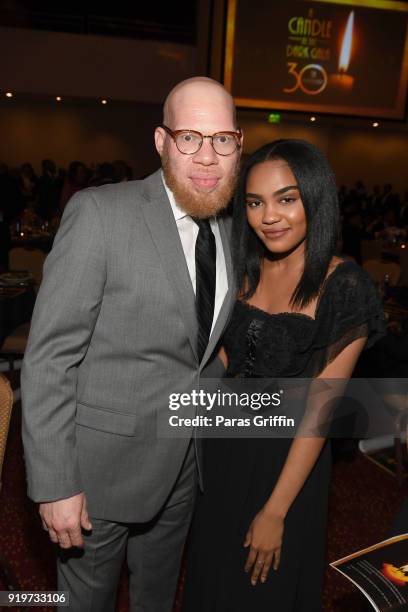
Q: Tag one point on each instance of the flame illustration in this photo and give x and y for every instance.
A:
(345, 53)
(397, 575)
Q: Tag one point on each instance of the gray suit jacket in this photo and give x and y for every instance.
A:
(113, 333)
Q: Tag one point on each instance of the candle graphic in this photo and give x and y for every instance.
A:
(341, 80)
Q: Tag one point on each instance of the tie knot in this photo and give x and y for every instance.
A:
(203, 224)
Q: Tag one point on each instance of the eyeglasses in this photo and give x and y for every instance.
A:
(189, 142)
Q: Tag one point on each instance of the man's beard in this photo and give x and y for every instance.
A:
(199, 205)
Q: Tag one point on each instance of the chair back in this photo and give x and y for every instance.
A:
(28, 259)
(6, 403)
(378, 270)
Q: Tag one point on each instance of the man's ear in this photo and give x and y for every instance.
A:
(242, 139)
(159, 136)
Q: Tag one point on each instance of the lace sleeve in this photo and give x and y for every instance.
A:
(350, 308)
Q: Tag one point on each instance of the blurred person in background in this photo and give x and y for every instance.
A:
(352, 235)
(403, 213)
(374, 200)
(28, 184)
(104, 175)
(11, 199)
(388, 227)
(5, 240)
(386, 196)
(77, 179)
(129, 173)
(49, 191)
(342, 195)
(120, 171)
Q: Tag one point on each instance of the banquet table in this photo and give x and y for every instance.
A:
(16, 307)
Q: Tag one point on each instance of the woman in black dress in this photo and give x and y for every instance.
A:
(258, 536)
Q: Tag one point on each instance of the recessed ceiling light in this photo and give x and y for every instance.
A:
(9, 94)
(376, 124)
(312, 119)
(58, 98)
(104, 101)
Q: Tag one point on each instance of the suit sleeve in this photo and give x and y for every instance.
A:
(64, 318)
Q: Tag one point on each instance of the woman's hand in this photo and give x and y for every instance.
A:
(264, 536)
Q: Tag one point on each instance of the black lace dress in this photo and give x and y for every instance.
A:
(239, 474)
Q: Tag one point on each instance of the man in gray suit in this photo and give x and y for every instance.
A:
(121, 321)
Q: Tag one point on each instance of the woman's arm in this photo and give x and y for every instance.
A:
(266, 531)
(223, 356)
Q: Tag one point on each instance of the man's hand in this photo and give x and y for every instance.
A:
(64, 518)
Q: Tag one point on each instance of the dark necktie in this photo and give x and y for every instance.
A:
(205, 255)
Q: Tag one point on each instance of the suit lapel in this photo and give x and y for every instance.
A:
(226, 307)
(160, 220)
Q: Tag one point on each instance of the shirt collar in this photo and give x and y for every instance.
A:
(178, 212)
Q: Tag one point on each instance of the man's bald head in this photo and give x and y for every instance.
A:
(193, 92)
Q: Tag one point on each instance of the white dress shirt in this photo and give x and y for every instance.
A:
(188, 231)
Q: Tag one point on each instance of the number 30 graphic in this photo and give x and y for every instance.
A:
(301, 78)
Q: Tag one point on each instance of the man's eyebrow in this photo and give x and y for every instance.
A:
(275, 193)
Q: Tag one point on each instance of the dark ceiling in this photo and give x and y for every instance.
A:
(173, 20)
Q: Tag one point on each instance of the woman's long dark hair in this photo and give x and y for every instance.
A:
(317, 188)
